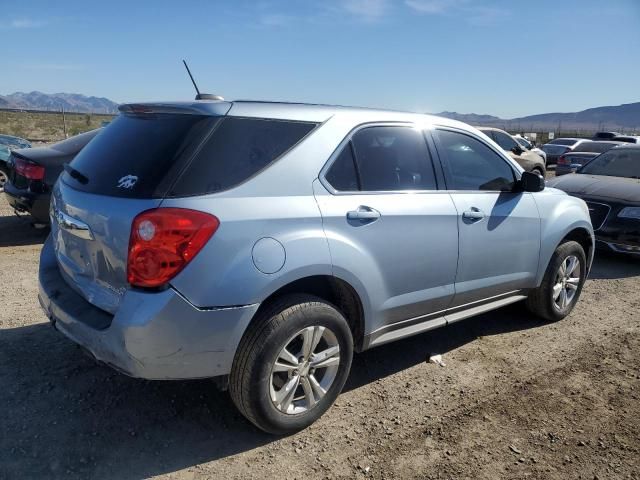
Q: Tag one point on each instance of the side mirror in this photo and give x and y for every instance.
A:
(517, 150)
(531, 182)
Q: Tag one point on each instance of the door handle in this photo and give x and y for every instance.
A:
(474, 214)
(363, 213)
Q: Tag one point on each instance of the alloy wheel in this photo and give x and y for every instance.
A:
(567, 283)
(304, 370)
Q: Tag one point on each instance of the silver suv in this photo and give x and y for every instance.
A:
(264, 243)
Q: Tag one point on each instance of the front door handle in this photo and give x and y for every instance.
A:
(473, 214)
(363, 213)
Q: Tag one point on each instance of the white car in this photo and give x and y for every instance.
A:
(529, 146)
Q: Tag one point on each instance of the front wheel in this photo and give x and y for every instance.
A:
(291, 364)
(562, 283)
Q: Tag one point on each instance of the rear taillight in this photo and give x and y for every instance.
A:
(163, 241)
(562, 160)
(29, 170)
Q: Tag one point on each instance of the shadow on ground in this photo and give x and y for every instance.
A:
(66, 416)
(17, 231)
(609, 265)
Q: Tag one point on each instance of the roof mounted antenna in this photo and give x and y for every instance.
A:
(200, 96)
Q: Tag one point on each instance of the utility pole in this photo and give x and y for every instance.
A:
(64, 123)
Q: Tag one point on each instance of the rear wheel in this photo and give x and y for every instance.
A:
(291, 364)
(4, 177)
(562, 283)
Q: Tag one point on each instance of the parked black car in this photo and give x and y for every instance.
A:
(581, 155)
(604, 135)
(33, 171)
(557, 147)
(610, 185)
(627, 138)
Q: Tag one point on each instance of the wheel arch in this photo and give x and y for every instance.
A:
(333, 290)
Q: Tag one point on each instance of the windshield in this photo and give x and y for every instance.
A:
(555, 149)
(615, 163)
(564, 141)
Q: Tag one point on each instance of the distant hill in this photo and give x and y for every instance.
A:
(71, 102)
(621, 117)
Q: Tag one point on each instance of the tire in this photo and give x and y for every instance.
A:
(545, 301)
(4, 177)
(539, 171)
(256, 384)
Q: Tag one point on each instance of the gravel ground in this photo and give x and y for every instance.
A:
(516, 399)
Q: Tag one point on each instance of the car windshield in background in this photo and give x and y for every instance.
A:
(623, 162)
(14, 142)
(594, 147)
(523, 141)
(563, 141)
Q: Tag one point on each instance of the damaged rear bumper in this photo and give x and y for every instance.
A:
(153, 335)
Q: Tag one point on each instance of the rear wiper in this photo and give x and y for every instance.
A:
(75, 174)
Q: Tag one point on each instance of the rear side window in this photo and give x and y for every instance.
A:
(472, 165)
(237, 149)
(134, 155)
(386, 159)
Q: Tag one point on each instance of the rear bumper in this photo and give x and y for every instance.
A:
(37, 204)
(153, 335)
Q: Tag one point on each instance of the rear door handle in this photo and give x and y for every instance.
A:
(474, 214)
(363, 213)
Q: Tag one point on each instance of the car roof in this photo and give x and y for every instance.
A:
(287, 111)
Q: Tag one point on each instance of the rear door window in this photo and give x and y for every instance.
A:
(393, 158)
(237, 149)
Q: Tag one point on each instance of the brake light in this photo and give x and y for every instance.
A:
(29, 170)
(562, 160)
(163, 241)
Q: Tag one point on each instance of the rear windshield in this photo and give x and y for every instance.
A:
(563, 141)
(554, 149)
(594, 147)
(152, 155)
(623, 162)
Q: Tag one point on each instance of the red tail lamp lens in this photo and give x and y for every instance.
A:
(163, 241)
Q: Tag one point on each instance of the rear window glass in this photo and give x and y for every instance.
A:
(76, 143)
(135, 154)
(594, 147)
(158, 155)
(563, 141)
(238, 149)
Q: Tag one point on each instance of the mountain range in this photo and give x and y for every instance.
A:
(71, 102)
(625, 117)
(621, 117)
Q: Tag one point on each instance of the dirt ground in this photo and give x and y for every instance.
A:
(516, 399)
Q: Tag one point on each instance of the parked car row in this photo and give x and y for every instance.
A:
(8, 143)
(528, 160)
(32, 172)
(610, 184)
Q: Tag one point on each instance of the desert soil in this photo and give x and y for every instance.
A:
(517, 398)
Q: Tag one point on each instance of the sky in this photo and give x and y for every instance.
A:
(508, 58)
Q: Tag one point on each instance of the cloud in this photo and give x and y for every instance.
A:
(433, 6)
(368, 11)
(472, 13)
(26, 23)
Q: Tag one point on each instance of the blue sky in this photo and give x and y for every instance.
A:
(504, 57)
